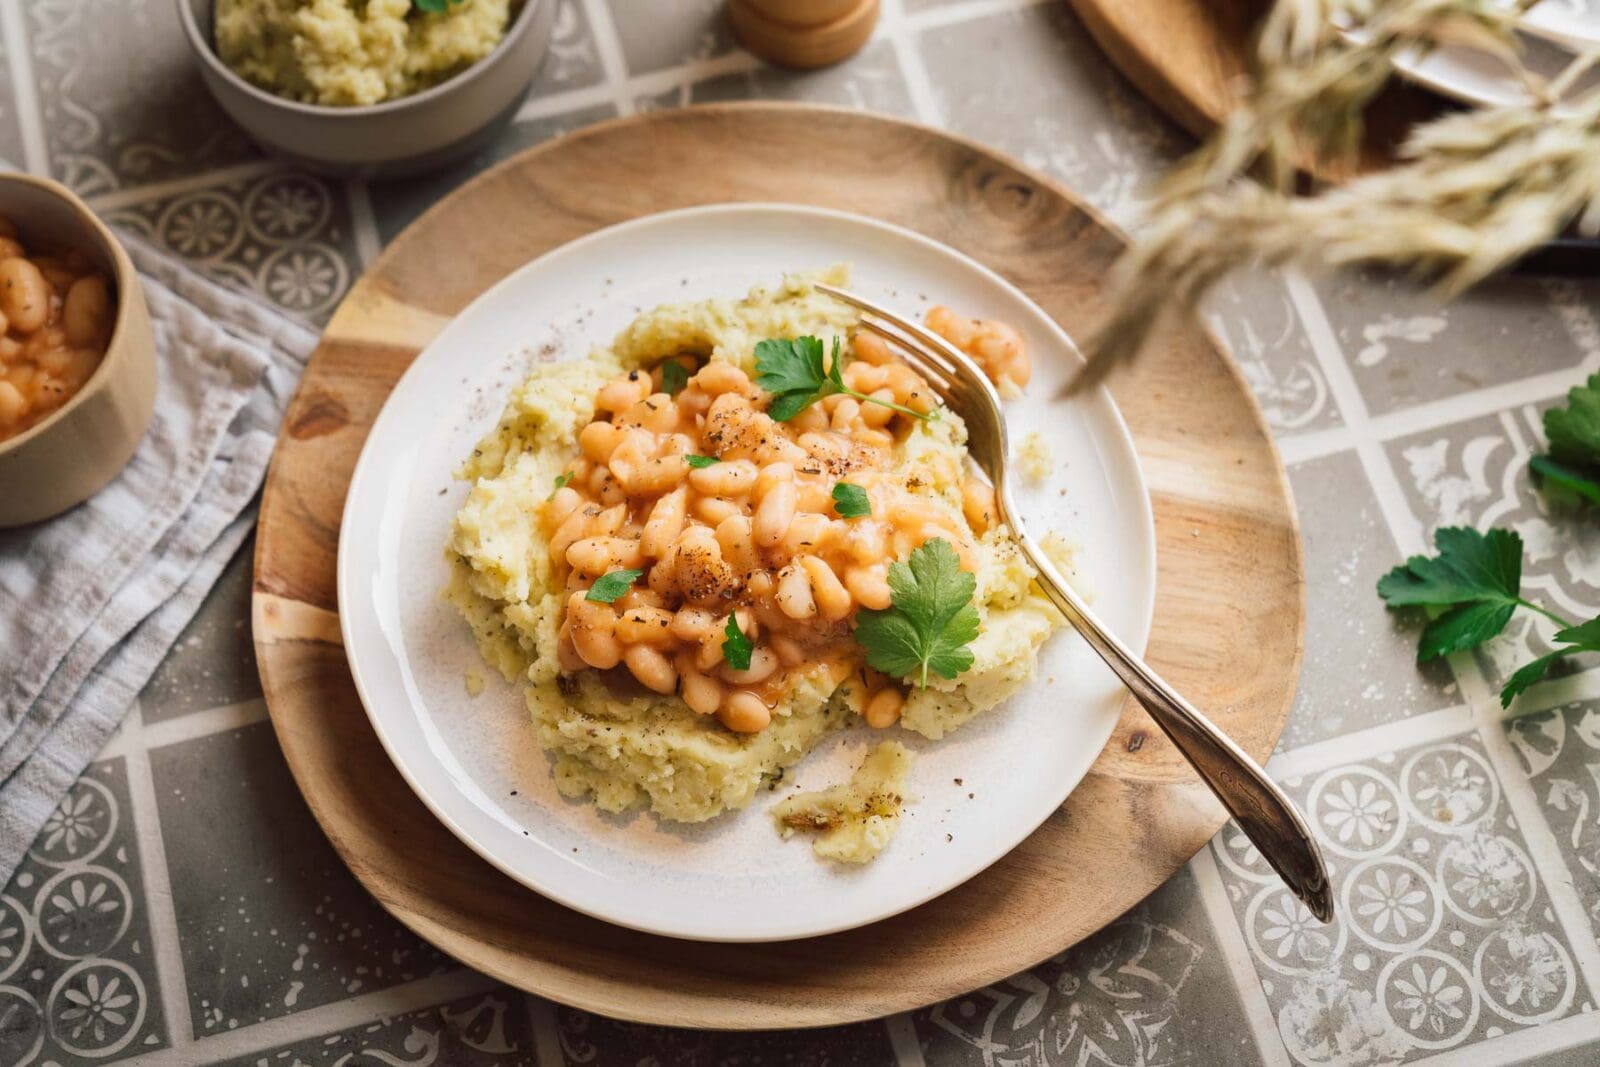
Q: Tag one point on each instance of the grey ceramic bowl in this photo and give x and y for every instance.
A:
(80, 447)
(398, 137)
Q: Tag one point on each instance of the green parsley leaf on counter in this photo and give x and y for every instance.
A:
(1569, 474)
(932, 619)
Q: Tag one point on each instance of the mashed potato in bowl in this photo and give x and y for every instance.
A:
(354, 52)
(664, 556)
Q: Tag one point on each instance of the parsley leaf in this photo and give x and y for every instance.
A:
(1569, 476)
(737, 648)
(435, 7)
(932, 619)
(851, 501)
(673, 377)
(701, 462)
(611, 585)
(1471, 588)
(797, 376)
(561, 480)
(1584, 638)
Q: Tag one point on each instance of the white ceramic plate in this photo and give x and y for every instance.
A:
(1481, 79)
(1571, 22)
(476, 762)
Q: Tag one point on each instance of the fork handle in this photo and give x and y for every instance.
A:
(1265, 813)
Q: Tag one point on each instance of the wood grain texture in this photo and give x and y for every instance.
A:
(1228, 620)
(1191, 57)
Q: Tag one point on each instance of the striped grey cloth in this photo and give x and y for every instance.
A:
(91, 601)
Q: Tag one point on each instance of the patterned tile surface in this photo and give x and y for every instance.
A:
(591, 1039)
(1392, 332)
(1346, 552)
(77, 981)
(1446, 935)
(111, 122)
(270, 922)
(1475, 473)
(1151, 988)
(214, 662)
(182, 906)
(286, 235)
(474, 1031)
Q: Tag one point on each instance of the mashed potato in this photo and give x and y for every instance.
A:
(854, 821)
(352, 52)
(624, 747)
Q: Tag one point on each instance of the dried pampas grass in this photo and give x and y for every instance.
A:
(1473, 191)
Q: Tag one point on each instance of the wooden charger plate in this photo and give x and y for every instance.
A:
(1228, 615)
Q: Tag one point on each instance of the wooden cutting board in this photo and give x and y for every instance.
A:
(1189, 58)
(1228, 616)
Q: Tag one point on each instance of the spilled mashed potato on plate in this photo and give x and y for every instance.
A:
(742, 526)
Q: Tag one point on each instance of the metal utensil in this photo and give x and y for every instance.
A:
(1263, 811)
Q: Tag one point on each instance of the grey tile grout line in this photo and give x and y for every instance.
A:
(204, 723)
(30, 115)
(139, 194)
(1404, 527)
(166, 950)
(968, 11)
(1353, 747)
(903, 1040)
(1528, 1045)
(903, 41)
(546, 1032)
(609, 47)
(363, 221)
(335, 1016)
(1236, 958)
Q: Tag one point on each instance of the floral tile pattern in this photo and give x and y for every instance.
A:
(1392, 333)
(1448, 939)
(591, 1039)
(110, 123)
(489, 1029)
(1346, 552)
(1445, 935)
(284, 235)
(1253, 316)
(1559, 751)
(269, 920)
(77, 982)
(1475, 473)
(1147, 991)
(214, 662)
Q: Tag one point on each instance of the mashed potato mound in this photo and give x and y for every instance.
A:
(353, 52)
(625, 747)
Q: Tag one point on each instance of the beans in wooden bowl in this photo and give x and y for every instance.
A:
(56, 316)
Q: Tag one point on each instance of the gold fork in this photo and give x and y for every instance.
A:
(1267, 816)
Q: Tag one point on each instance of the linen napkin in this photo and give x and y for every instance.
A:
(92, 600)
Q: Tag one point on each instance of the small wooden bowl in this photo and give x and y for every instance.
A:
(71, 455)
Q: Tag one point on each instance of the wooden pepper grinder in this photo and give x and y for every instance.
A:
(803, 33)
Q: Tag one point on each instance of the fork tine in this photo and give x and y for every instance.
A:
(930, 342)
(918, 356)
